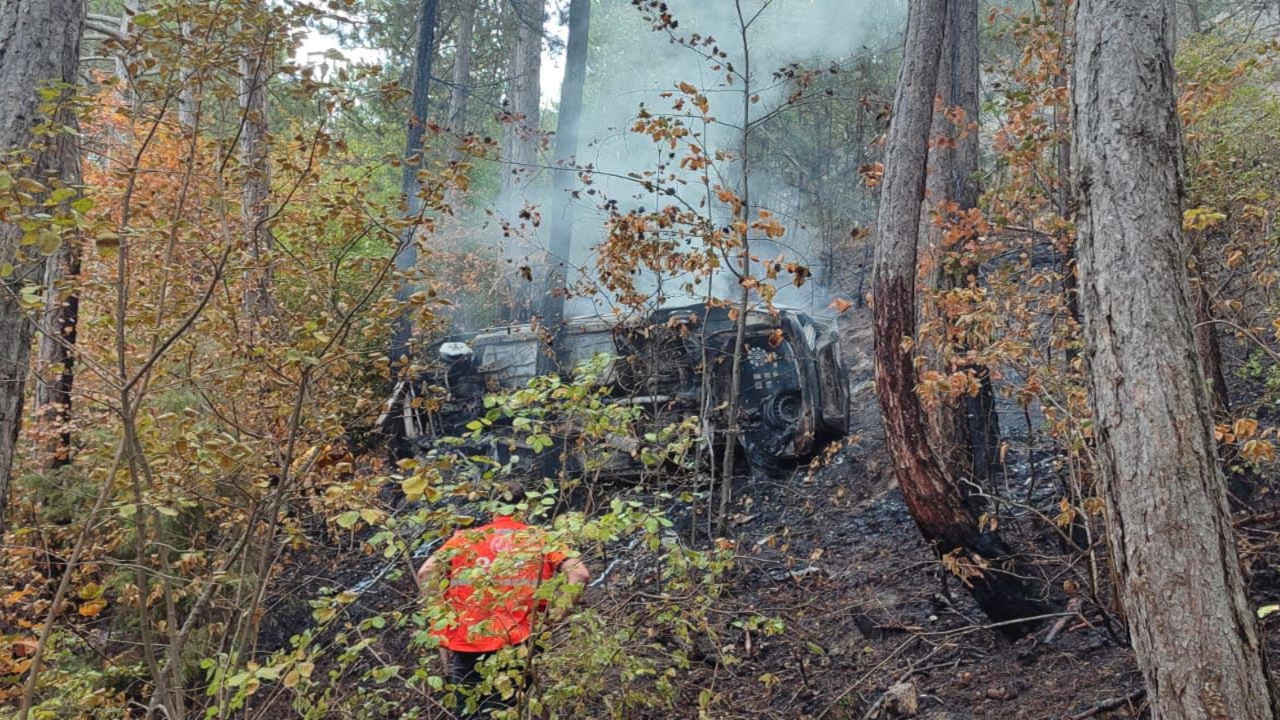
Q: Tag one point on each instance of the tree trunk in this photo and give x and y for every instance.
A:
(966, 433)
(1167, 518)
(932, 497)
(461, 75)
(407, 255)
(39, 47)
(255, 192)
(567, 125)
(56, 358)
(1207, 345)
(520, 133)
(734, 429)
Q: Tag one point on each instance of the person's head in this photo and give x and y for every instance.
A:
(506, 497)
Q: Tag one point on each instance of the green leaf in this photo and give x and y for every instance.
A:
(1266, 610)
(347, 520)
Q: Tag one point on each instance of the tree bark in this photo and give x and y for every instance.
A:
(39, 47)
(1207, 345)
(56, 357)
(407, 254)
(1167, 517)
(256, 190)
(567, 125)
(461, 78)
(520, 133)
(934, 500)
(967, 432)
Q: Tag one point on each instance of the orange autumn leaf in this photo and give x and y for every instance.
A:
(92, 608)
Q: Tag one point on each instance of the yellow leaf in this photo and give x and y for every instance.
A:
(92, 608)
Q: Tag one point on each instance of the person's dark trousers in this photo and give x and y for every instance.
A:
(462, 671)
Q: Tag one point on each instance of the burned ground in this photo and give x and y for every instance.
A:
(874, 627)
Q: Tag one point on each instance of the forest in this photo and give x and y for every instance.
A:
(707, 359)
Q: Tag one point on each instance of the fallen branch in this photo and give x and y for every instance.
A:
(1109, 704)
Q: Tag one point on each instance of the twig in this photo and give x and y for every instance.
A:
(1109, 704)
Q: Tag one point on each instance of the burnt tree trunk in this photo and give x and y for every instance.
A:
(931, 495)
(561, 246)
(1167, 518)
(406, 258)
(56, 355)
(39, 48)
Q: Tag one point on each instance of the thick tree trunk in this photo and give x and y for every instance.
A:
(39, 47)
(407, 256)
(520, 134)
(1167, 518)
(935, 502)
(570, 118)
(255, 192)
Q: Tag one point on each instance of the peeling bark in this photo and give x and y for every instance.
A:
(1167, 517)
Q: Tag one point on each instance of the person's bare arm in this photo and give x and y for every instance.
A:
(575, 571)
(425, 572)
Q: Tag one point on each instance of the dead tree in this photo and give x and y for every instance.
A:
(1167, 517)
(39, 48)
(932, 496)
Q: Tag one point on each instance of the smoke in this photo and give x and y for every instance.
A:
(631, 65)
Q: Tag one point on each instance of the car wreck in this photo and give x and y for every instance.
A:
(793, 386)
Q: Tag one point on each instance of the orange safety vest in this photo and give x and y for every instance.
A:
(494, 570)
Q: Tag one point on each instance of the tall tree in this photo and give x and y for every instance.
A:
(55, 359)
(932, 496)
(1167, 516)
(965, 432)
(407, 254)
(461, 76)
(524, 93)
(39, 48)
(255, 192)
(567, 125)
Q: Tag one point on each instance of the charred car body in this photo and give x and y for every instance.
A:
(793, 385)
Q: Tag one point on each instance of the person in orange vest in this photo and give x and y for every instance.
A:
(492, 573)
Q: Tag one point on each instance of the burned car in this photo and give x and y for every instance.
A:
(793, 388)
